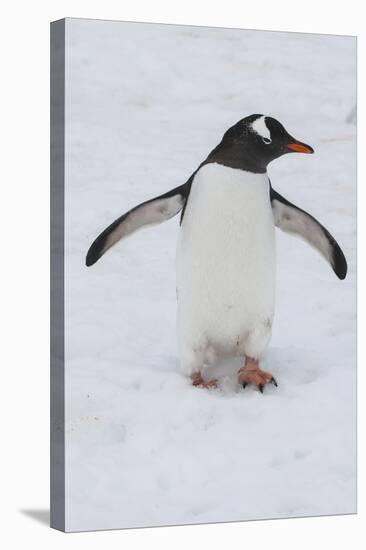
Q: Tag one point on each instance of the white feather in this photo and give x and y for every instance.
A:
(225, 267)
(260, 127)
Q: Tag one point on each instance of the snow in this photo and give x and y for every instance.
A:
(144, 105)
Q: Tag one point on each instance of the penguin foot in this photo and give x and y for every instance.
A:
(252, 374)
(198, 381)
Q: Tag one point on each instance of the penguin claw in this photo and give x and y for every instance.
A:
(198, 381)
(256, 377)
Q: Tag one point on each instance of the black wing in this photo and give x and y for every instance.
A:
(151, 212)
(292, 219)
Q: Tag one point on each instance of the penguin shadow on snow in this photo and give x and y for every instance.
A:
(293, 366)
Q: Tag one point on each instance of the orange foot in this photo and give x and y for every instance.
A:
(252, 374)
(197, 380)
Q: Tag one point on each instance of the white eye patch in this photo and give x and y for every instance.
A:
(259, 126)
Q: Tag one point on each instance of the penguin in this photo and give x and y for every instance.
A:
(226, 252)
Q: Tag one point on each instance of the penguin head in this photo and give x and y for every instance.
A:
(257, 140)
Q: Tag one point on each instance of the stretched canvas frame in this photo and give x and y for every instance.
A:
(80, 421)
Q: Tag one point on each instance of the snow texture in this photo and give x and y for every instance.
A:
(144, 106)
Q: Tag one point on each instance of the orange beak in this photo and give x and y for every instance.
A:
(300, 148)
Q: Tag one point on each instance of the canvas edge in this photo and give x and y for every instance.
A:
(57, 313)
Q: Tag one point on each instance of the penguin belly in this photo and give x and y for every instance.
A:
(225, 268)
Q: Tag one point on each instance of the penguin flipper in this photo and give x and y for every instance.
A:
(292, 219)
(151, 212)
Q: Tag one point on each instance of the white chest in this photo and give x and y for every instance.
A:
(226, 252)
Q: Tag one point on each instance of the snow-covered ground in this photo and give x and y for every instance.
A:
(145, 104)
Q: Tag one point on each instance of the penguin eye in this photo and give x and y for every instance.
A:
(267, 141)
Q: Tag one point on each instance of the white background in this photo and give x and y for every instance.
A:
(24, 220)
